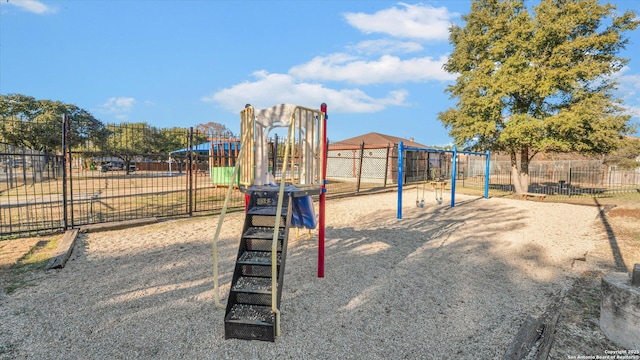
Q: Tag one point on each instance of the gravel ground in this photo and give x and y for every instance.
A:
(440, 283)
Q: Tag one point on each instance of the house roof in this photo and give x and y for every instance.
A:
(373, 140)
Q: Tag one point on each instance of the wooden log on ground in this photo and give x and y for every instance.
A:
(528, 334)
(537, 334)
(548, 337)
(528, 195)
(63, 251)
(117, 225)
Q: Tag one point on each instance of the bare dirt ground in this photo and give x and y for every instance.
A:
(618, 230)
(614, 231)
(13, 250)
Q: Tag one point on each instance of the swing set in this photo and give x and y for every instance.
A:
(438, 185)
(437, 181)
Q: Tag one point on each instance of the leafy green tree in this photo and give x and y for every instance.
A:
(171, 139)
(127, 141)
(537, 82)
(37, 124)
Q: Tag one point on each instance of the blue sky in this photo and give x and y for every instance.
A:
(377, 64)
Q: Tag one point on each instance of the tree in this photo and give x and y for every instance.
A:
(626, 156)
(215, 129)
(128, 140)
(536, 83)
(37, 124)
(171, 139)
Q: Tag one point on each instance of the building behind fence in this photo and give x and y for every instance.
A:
(44, 192)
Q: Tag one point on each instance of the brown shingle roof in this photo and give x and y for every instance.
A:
(373, 140)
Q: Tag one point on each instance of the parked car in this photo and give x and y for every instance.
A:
(104, 167)
(111, 165)
(117, 165)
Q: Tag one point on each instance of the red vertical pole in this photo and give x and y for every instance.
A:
(323, 194)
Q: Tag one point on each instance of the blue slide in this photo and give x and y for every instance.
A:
(303, 214)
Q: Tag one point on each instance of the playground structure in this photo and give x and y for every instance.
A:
(437, 179)
(276, 200)
(222, 159)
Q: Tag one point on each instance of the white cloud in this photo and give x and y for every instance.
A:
(304, 84)
(386, 69)
(386, 46)
(34, 6)
(272, 89)
(118, 106)
(628, 84)
(631, 106)
(409, 21)
(634, 111)
(630, 81)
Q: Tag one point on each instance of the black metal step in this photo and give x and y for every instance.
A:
(262, 258)
(249, 313)
(268, 220)
(261, 244)
(254, 290)
(247, 298)
(265, 210)
(253, 284)
(250, 322)
(262, 232)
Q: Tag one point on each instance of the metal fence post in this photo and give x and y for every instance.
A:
(487, 174)
(65, 138)
(400, 178)
(386, 165)
(360, 167)
(70, 169)
(570, 175)
(454, 175)
(190, 174)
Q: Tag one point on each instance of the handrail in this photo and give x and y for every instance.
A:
(274, 242)
(216, 288)
(247, 138)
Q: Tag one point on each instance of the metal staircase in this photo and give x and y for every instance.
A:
(253, 307)
(249, 312)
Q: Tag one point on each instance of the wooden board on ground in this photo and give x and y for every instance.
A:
(536, 335)
(528, 195)
(528, 334)
(117, 225)
(64, 250)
